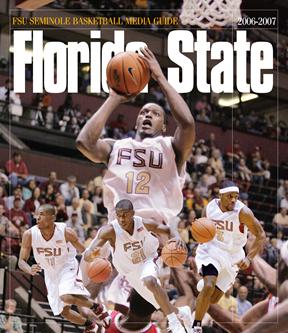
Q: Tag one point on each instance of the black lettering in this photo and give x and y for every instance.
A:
(57, 251)
(220, 225)
(160, 161)
(139, 158)
(229, 225)
(127, 246)
(48, 252)
(136, 246)
(123, 157)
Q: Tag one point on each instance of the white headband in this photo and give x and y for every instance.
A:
(229, 189)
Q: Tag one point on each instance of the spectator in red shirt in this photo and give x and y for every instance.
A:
(17, 170)
(18, 217)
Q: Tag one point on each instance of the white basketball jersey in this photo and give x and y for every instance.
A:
(231, 235)
(54, 253)
(145, 173)
(132, 250)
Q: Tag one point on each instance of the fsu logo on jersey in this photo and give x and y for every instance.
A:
(141, 157)
(133, 246)
(224, 225)
(49, 252)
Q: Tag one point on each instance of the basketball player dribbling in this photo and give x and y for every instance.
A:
(219, 260)
(148, 170)
(134, 255)
(54, 248)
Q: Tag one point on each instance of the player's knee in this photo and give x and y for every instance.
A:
(65, 311)
(209, 287)
(150, 282)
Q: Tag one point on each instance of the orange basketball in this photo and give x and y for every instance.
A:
(99, 270)
(203, 230)
(127, 73)
(173, 257)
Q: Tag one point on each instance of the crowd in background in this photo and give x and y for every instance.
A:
(70, 117)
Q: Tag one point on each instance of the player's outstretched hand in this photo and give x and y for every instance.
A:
(244, 264)
(90, 255)
(180, 244)
(35, 269)
(151, 62)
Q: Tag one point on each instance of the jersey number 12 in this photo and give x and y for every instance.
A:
(139, 181)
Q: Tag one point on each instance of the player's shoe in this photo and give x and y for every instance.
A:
(174, 326)
(185, 316)
(102, 315)
(93, 328)
(197, 329)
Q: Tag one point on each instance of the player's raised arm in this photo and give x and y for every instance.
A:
(71, 236)
(88, 142)
(104, 235)
(247, 217)
(184, 136)
(24, 255)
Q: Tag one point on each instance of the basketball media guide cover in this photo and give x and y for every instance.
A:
(59, 51)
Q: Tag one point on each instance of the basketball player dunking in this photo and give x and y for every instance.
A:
(148, 170)
(219, 260)
(54, 248)
(134, 255)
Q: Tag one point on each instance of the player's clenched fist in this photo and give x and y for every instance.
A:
(35, 269)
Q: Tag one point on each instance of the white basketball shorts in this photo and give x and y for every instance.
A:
(67, 281)
(224, 261)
